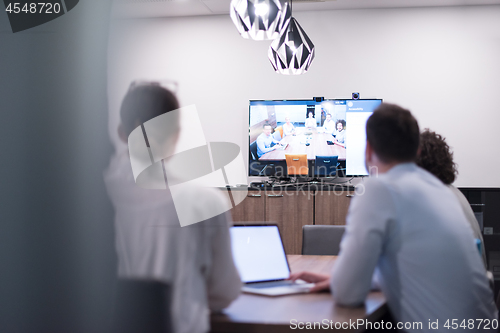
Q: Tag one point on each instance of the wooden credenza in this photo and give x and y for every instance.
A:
(291, 209)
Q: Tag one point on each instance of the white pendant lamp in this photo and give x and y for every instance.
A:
(292, 52)
(256, 19)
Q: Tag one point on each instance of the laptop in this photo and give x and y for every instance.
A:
(261, 261)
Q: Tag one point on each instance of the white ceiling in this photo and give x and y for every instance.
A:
(171, 8)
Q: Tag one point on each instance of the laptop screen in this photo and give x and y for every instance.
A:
(258, 253)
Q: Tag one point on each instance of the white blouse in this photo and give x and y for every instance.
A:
(288, 129)
(310, 122)
(195, 260)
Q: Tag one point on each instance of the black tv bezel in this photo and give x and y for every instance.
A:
(303, 100)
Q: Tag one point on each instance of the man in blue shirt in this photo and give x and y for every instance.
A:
(409, 228)
(265, 141)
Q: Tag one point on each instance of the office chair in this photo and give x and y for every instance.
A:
(253, 151)
(280, 129)
(141, 306)
(254, 166)
(322, 239)
(326, 165)
(297, 164)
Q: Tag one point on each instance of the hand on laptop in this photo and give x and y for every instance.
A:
(321, 281)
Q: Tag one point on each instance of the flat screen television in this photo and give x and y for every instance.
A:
(308, 138)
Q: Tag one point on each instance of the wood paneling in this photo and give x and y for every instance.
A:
(331, 207)
(290, 210)
(251, 209)
(256, 130)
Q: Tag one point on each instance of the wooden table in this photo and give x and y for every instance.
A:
(261, 314)
(296, 145)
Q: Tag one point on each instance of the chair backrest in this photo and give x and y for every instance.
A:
(297, 164)
(276, 136)
(280, 129)
(322, 239)
(326, 165)
(141, 306)
(253, 151)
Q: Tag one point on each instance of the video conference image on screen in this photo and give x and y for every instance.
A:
(308, 138)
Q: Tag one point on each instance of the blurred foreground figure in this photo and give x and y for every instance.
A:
(196, 260)
(437, 158)
(409, 228)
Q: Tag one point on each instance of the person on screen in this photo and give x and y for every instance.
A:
(329, 125)
(288, 128)
(436, 157)
(310, 121)
(323, 116)
(340, 133)
(265, 141)
(408, 228)
(195, 260)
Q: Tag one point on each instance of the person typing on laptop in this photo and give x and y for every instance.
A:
(409, 228)
(195, 260)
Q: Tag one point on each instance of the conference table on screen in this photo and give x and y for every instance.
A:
(297, 145)
(263, 314)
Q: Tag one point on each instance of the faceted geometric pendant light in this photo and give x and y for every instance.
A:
(256, 19)
(292, 52)
(286, 15)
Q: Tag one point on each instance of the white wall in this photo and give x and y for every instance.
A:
(441, 63)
